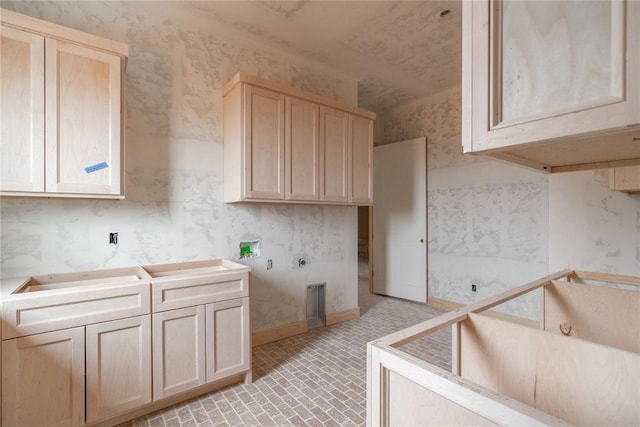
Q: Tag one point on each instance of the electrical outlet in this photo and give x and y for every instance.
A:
(474, 288)
(113, 238)
(269, 264)
(302, 262)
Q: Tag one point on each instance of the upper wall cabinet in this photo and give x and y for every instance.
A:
(625, 178)
(285, 145)
(61, 120)
(554, 86)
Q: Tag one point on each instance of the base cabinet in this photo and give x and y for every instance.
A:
(196, 345)
(50, 369)
(228, 344)
(118, 366)
(101, 347)
(178, 348)
(43, 379)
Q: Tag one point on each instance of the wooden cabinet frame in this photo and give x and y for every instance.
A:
(28, 174)
(118, 366)
(29, 380)
(176, 368)
(307, 170)
(228, 349)
(589, 135)
(75, 149)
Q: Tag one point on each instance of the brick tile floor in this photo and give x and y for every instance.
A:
(315, 379)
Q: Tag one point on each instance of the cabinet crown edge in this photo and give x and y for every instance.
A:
(59, 32)
(241, 77)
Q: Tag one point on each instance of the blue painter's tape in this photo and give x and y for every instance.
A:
(96, 167)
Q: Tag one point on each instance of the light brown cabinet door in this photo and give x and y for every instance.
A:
(228, 342)
(118, 366)
(548, 71)
(43, 379)
(22, 112)
(334, 155)
(625, 178)
(83, 114)
(301, 150)
(263, 167)
(361, 160)
(178, 351)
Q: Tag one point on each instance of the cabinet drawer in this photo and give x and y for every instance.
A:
(178, 292)
(46, 312)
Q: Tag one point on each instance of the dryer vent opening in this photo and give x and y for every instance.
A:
(315, 305)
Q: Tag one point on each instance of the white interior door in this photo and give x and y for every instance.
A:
(400, 219)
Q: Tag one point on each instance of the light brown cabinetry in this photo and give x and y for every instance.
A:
(43, 379)
(179, 351)
(58, 330)
(625, 179)
(264, 144)
(553, 86)
(323, 155)
(118, 366)
(301, 150)
(362, 159)
(21, 126)
(228, 338)
(334, 155)
(81, 344)
(201, 330)
(66, 87)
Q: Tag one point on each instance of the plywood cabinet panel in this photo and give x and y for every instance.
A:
(325, 156)
(22, 114)
(334, 157)
(625, 179)
(118, 361)
(43, 379)
(83, 120)
(228, 331)
(179, 351)
(361, 160)
(263, 143)
(62, 136)
(301, 150)
(552, 86)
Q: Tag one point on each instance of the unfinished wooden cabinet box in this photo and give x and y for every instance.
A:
(63, 135)
(118, 367)
(43, 379)
(625, 178)
(80, 345)
(57, 329)
(578, 365)
(228, 338)
(552, 86)
(285, 145)
(201, 330)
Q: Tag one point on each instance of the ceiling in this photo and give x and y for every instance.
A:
(397, 50)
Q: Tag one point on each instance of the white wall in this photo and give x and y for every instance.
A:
(592, 227)
(487, 221)
(499, 225)
(173, 211)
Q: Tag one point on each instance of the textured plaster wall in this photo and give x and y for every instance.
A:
(500, 226)
(592, 227)
(487, 221)
(173, 211)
